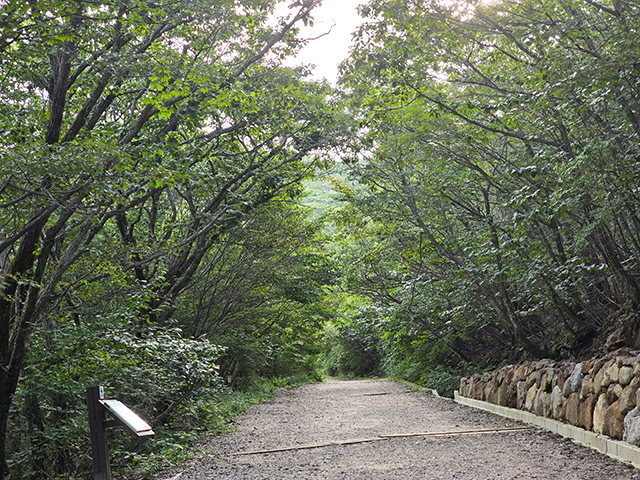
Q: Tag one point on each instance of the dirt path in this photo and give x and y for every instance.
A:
(338, 411)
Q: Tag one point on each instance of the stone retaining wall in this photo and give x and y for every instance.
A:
(601, 395)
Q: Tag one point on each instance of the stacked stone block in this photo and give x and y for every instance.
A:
(601, 395)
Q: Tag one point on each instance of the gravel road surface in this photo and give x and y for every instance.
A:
(320, 418)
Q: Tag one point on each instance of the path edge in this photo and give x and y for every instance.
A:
(415, 386)
(621, 451)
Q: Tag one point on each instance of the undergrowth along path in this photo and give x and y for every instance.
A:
(379, 429)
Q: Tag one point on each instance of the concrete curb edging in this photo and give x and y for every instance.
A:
(613, 448)
(416, 387)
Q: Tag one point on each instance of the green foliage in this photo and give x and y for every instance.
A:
(487, 219)
(138, 142)
(352, 354)
(149, 226)
(352, 342)
(171, 381)
(320, 197)
(154, 372)
(441, 380)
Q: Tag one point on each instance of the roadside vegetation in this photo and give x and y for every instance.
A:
(489, 205)
(179, 210)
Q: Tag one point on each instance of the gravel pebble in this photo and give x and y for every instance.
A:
(336, 411)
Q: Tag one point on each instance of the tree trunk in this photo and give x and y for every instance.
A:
(8, 385)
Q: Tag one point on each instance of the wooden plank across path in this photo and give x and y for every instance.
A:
(381, 430)
(383, 437)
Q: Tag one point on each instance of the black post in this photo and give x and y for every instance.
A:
(99, 447)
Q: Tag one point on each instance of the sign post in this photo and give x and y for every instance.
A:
(99, 447)
(122, 416)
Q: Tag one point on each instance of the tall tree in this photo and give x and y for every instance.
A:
(153, 126)
(515, 125)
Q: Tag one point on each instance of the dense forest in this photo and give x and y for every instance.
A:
(179, 209)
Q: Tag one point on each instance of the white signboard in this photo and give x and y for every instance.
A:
(128, 417)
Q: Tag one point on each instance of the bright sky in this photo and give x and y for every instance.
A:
(327, 52)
